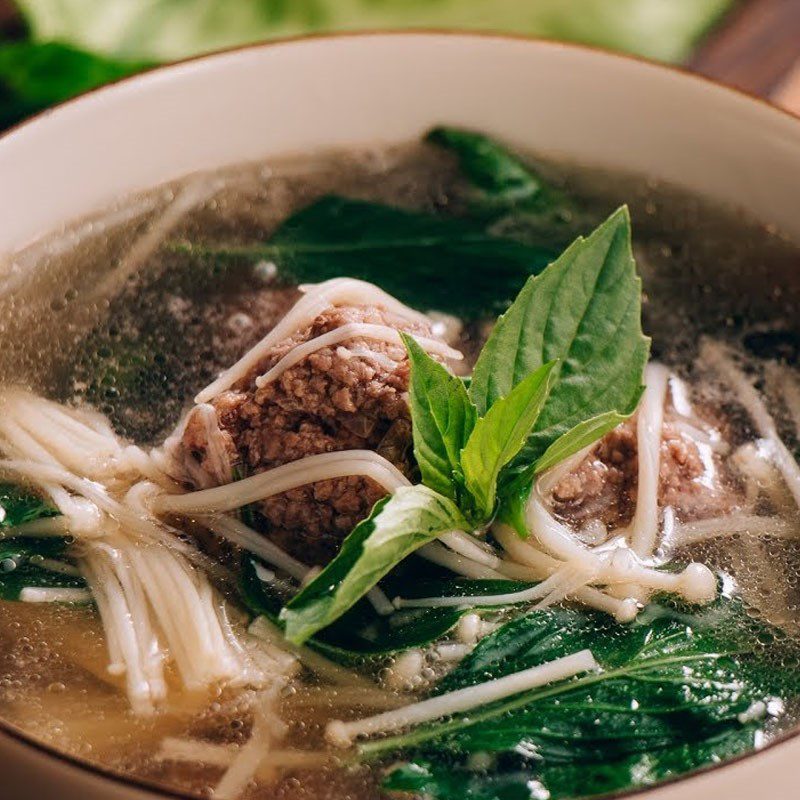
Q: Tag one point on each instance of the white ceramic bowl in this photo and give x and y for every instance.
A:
(295, 96)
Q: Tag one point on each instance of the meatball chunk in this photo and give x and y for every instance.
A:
(692, 479)
(349, 395)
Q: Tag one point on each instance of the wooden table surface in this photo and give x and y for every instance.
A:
(757, 48)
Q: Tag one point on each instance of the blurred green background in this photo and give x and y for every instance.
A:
(53, 49)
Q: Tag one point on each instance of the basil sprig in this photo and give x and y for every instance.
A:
(562, 367)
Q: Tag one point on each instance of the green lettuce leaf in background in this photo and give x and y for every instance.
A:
(168, 29)
(36, 76)
(76, 45)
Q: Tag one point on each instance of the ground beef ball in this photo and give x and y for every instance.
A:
(347, 396)
(693, 479)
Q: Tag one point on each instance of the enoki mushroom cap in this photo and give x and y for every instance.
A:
(698, 584)
(627, 610)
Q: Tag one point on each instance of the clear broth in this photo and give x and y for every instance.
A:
(706, 269)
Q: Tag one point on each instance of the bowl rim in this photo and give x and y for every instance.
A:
(156, 790)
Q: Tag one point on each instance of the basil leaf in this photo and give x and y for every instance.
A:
(411, 255)
(398, 525)
(515, 496)
(672, 689)
(25, 550)
(502, 177)
(440, 780)
(20, 567)
(20, 557)
(500, 434)
(584, 309)
(512, 508)
(18, 505)
(442, 416)
(12, 584)
(361, 632)
(582, 435)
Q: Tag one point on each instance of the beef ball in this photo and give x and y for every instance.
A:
(350, 395)
(694, 483)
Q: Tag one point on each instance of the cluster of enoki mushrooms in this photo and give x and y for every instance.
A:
(162, 602)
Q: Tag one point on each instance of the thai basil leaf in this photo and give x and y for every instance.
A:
(500, 435)
(515, 497)
(508, 193)
(503, 178)
(582, 435)
(397, 526)
(20, 557)
(28, 550)
(361, 632)
(443, 781)
(670, 681)
(18, 505)
(20, 567)
(585, 310)
(412, 255)
(442, 416)
(12, 584)
(439, 780)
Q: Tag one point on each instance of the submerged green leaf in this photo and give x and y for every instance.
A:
(363, 633)
(443, 418)
(412, 255)
(18, 505)
(671, 696)
(21, 557)
(398, 525)
(21, 566)
(440, 780)
(503, 178)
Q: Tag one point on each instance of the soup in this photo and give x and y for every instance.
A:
(288, 511)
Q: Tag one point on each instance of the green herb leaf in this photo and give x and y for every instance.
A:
(18, 505)
(440, 780)
(671, 692)
(500, 434)
(502, 177)
(409, 254)
(585, 310)
(20, 566)
(361, 632)
(515, 496)
(20, 557)
(398, 525)
(582, 435)
(443, 417)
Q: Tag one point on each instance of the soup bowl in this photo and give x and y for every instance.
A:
(287, 97)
